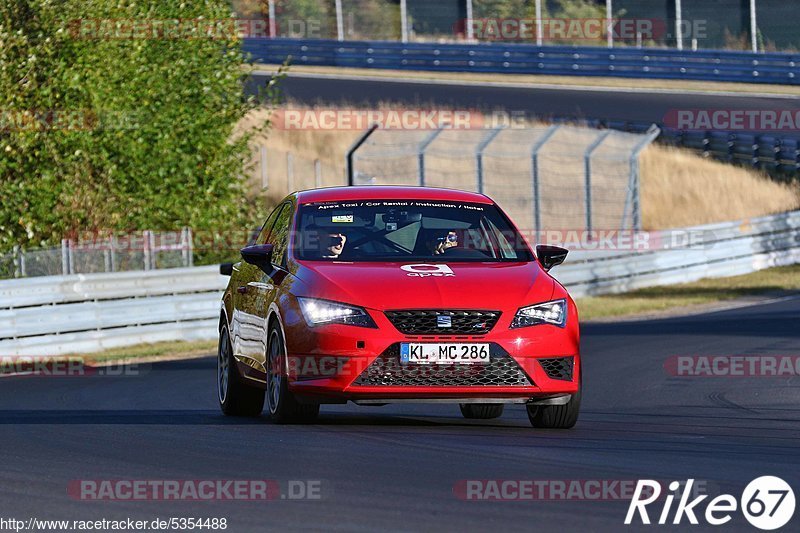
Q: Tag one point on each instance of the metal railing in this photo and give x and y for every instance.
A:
(656, 63)
(754, 25)
(85, 313)
(146, 250)
(556, 176)
(58, 315)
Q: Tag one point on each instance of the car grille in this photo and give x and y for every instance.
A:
(427, 321)
(558, 367)
(387, 370)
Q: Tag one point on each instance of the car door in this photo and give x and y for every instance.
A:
(261, 289)
(248, 287)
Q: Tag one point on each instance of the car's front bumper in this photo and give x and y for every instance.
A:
(337, 363)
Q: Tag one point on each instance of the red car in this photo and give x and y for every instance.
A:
(379, 295)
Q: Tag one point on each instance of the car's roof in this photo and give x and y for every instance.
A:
(387, 192)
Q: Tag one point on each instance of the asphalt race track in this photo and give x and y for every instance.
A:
(395, 467)
(611, 104)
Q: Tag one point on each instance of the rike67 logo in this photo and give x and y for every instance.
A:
(767, 503)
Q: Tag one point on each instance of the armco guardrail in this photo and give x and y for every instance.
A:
(57, 315)
(85, 313)
(717, 65)
(718, 250)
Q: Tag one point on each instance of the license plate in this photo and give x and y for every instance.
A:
(437, 354)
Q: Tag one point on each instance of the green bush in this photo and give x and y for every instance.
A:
(120, 132)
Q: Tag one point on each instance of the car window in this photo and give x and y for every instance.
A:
(405, 230)
(507, 250)
(267, 227)
(279, 236)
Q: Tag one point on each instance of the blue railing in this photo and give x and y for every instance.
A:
(717, 65)
(775, 154)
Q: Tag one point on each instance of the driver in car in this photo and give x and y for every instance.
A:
(323, 243)
(332, 245)
(443, 243)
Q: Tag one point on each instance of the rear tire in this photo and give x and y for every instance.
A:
(481, 411)
(236, 398)
(556, 416)
(283, 406)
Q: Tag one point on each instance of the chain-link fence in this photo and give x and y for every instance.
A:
(146, 250)
(545, 177)
(729, 24)
(280, 172)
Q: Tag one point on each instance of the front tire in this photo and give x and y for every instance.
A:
(236, 398)
(481, 411)
(283, 407)
(556, 416)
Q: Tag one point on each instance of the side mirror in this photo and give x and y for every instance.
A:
(550, 256)
(226, 269)
(259, 255)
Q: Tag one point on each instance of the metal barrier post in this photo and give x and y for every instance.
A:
(539, 28)
(421, 157)
(64, 257)
(587, 159)
(17, 263)
(272, 25)
(348, 161)
(470, 30)
(147, 252)
(71, 256)
(112, 242)
(632, 197)
(339, 21)
(107, 258)
(403, 21)
(479, 156)
(537, 208)
(190, 241)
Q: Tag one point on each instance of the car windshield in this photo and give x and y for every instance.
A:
(406, 230)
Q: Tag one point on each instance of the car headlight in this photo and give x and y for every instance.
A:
(554, 312)
(319, 312)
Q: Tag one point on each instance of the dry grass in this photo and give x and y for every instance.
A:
(679, 188)
(772, 282)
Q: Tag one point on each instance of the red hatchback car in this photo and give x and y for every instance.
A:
(379, 295)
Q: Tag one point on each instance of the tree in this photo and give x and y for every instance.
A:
(118, 116)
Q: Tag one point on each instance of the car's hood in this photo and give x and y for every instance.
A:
(491, 286)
